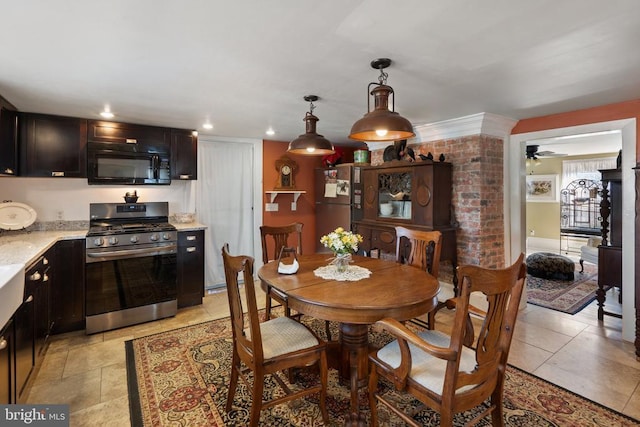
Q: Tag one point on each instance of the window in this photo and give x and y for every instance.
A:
(586, 168)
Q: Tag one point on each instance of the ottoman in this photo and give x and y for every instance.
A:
(547, 265)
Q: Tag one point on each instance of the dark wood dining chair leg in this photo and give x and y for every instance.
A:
(373, 403)
(324, 366)
(327, 330)
(233, 382)
(431, 319)
(497, 415)
(267, 308)
(256, 401)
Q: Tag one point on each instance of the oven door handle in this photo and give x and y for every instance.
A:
(164, 250)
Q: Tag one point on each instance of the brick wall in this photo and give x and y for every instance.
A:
(478, 194)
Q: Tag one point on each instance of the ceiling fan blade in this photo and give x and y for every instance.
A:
(549, 154)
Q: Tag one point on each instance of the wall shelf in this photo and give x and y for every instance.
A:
(274, 194)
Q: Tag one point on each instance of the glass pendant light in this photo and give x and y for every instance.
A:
(310, 143)
(381, 124)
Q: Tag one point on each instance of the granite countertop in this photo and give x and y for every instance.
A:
(190, 226)
(25, 247)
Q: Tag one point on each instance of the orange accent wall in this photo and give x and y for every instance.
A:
(604, 113)
(306, 212)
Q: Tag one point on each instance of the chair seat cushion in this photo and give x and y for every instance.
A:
(284, 335)
(427, 370)
(547, 265)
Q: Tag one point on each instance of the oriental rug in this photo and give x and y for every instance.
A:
(180, 378)
(567, 296)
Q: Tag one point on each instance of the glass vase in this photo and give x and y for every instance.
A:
(342, 262)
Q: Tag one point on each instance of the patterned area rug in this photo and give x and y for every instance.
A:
(180, 378)
(567, 296)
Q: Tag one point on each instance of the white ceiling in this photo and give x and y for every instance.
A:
(246, 65)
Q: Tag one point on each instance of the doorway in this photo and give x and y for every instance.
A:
(229, 174)
(516, 191)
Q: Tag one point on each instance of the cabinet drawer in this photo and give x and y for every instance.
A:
(191, 239)
(385, 240)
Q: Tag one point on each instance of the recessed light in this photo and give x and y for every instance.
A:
(207, 125)
(106, 113)
(270, 132)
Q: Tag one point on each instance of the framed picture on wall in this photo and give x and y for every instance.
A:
(543, 188)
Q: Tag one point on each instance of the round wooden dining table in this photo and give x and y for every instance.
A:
(392, 290)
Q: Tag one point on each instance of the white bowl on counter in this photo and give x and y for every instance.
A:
(184, 217)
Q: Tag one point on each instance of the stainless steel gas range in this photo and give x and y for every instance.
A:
(130, 265)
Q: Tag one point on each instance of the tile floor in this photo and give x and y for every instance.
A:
(576, 352)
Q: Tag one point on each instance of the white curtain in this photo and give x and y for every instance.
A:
(585, 169)
(224, 202)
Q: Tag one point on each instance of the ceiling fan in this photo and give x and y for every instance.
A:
(534, 154)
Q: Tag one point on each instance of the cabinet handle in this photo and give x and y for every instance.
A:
(191, 238)
(45, 261)
(3, 343)
(35, 276)
(29, 299)
(191, 249)
(185, 176)
(57, 174)
(131, 141)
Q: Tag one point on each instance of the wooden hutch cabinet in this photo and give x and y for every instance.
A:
(610, 251)
(415, 195)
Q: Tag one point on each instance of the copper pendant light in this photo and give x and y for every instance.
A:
(381, 124)
(310, 143)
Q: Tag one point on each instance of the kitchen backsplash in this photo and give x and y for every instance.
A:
(49, 226)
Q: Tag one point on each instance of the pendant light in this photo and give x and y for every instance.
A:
(381, 124)
(310, 143)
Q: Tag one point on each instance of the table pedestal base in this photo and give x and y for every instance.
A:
(354, 339)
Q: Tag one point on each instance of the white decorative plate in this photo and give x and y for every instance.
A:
(16, 216)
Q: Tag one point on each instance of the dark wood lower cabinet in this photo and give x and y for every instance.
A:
(7, 390)
(67, 287)
(53, 302)
(24, 319)
(190, 268)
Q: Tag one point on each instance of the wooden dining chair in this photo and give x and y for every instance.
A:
(421, 249)
(277, 237)
(457, 372)
(269, 347)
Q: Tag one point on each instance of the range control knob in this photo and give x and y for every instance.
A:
(99, 241)
(113, 240)
(134, 239)
(153, 237)
(166, 236)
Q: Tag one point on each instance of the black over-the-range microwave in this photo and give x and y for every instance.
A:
(132, 162)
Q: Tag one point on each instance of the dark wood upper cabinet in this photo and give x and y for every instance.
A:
(8, 138)
(52, 146)
(152, 138)
(184, 154)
